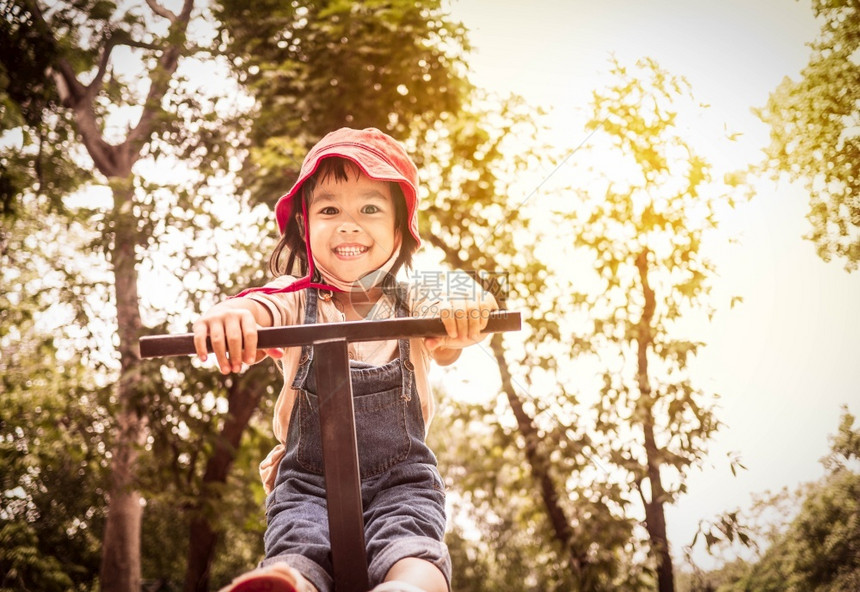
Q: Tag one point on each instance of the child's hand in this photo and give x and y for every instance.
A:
(232, 329)
(464, 319)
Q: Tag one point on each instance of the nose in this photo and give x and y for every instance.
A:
(348, 226)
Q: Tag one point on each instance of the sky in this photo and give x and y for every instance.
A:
(784, 360)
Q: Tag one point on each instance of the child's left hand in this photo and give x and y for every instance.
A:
(464, 319)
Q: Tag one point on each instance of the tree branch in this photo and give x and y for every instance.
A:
(96, 85)
(451, 255)
(159, 79)
(75, 96)
(576, 559)
(113, 39)
(161, 11)
(68, 86)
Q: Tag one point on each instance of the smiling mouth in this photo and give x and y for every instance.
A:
(351, 251)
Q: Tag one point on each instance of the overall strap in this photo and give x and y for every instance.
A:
(312, 297)
(401, 307)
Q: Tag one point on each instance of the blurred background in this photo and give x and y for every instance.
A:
(667, 191)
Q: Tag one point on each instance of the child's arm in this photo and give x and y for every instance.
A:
(231, 326)
(464, 319)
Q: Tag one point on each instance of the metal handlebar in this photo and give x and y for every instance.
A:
(156, 346)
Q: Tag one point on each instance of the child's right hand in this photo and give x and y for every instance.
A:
(232, 328)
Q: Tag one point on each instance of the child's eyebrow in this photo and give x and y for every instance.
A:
(329, 196)
(374, 194)
(315, 197)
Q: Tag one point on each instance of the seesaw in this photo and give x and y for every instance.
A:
(337, 420)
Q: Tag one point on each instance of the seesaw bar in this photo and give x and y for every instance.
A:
(156, 346)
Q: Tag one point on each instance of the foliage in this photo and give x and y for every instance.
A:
(102, 66)
(643, 223)
(53, 418)
(315, 66)
(539, 519)
(816, 547)
(28, 104)
(814, 135)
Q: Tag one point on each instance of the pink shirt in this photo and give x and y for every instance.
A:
(287, 308)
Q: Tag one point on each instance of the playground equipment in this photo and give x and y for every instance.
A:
(337, 419)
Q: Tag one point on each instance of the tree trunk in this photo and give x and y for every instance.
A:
(655, 519)
(120, 568)
(244, 396)
(202, 540)
(562, 532)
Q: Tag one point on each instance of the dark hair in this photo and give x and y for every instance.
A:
(292, 245)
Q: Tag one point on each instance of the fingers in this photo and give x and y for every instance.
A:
(464, 320)
(249, 338)
(234, 339)
(477, 320)
(201, 331)
(449, 321)
(233, 335)
(217, 333)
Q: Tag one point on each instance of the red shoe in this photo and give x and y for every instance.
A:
(278, 577)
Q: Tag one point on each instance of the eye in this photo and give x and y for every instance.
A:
(370, 209)
(328, 211)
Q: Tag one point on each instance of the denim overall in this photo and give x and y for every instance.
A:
(402, 493)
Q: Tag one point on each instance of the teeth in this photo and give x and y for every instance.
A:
(350, 251)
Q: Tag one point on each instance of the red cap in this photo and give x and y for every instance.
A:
(378, 155)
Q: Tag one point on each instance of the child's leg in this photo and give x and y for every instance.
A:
(404, 527)
(297, 532)
(423, 575)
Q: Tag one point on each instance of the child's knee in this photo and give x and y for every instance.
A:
(415, 560)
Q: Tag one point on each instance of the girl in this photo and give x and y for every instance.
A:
(349, 224)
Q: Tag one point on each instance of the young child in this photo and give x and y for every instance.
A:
(349, 223)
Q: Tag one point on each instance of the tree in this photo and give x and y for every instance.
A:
(537, 516)
(811, 538)
(643, 223)
(814, 135)
(821, 543)
(75, 45)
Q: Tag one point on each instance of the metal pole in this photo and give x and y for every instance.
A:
(340, 459)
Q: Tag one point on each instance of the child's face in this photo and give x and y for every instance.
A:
(351, 224)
